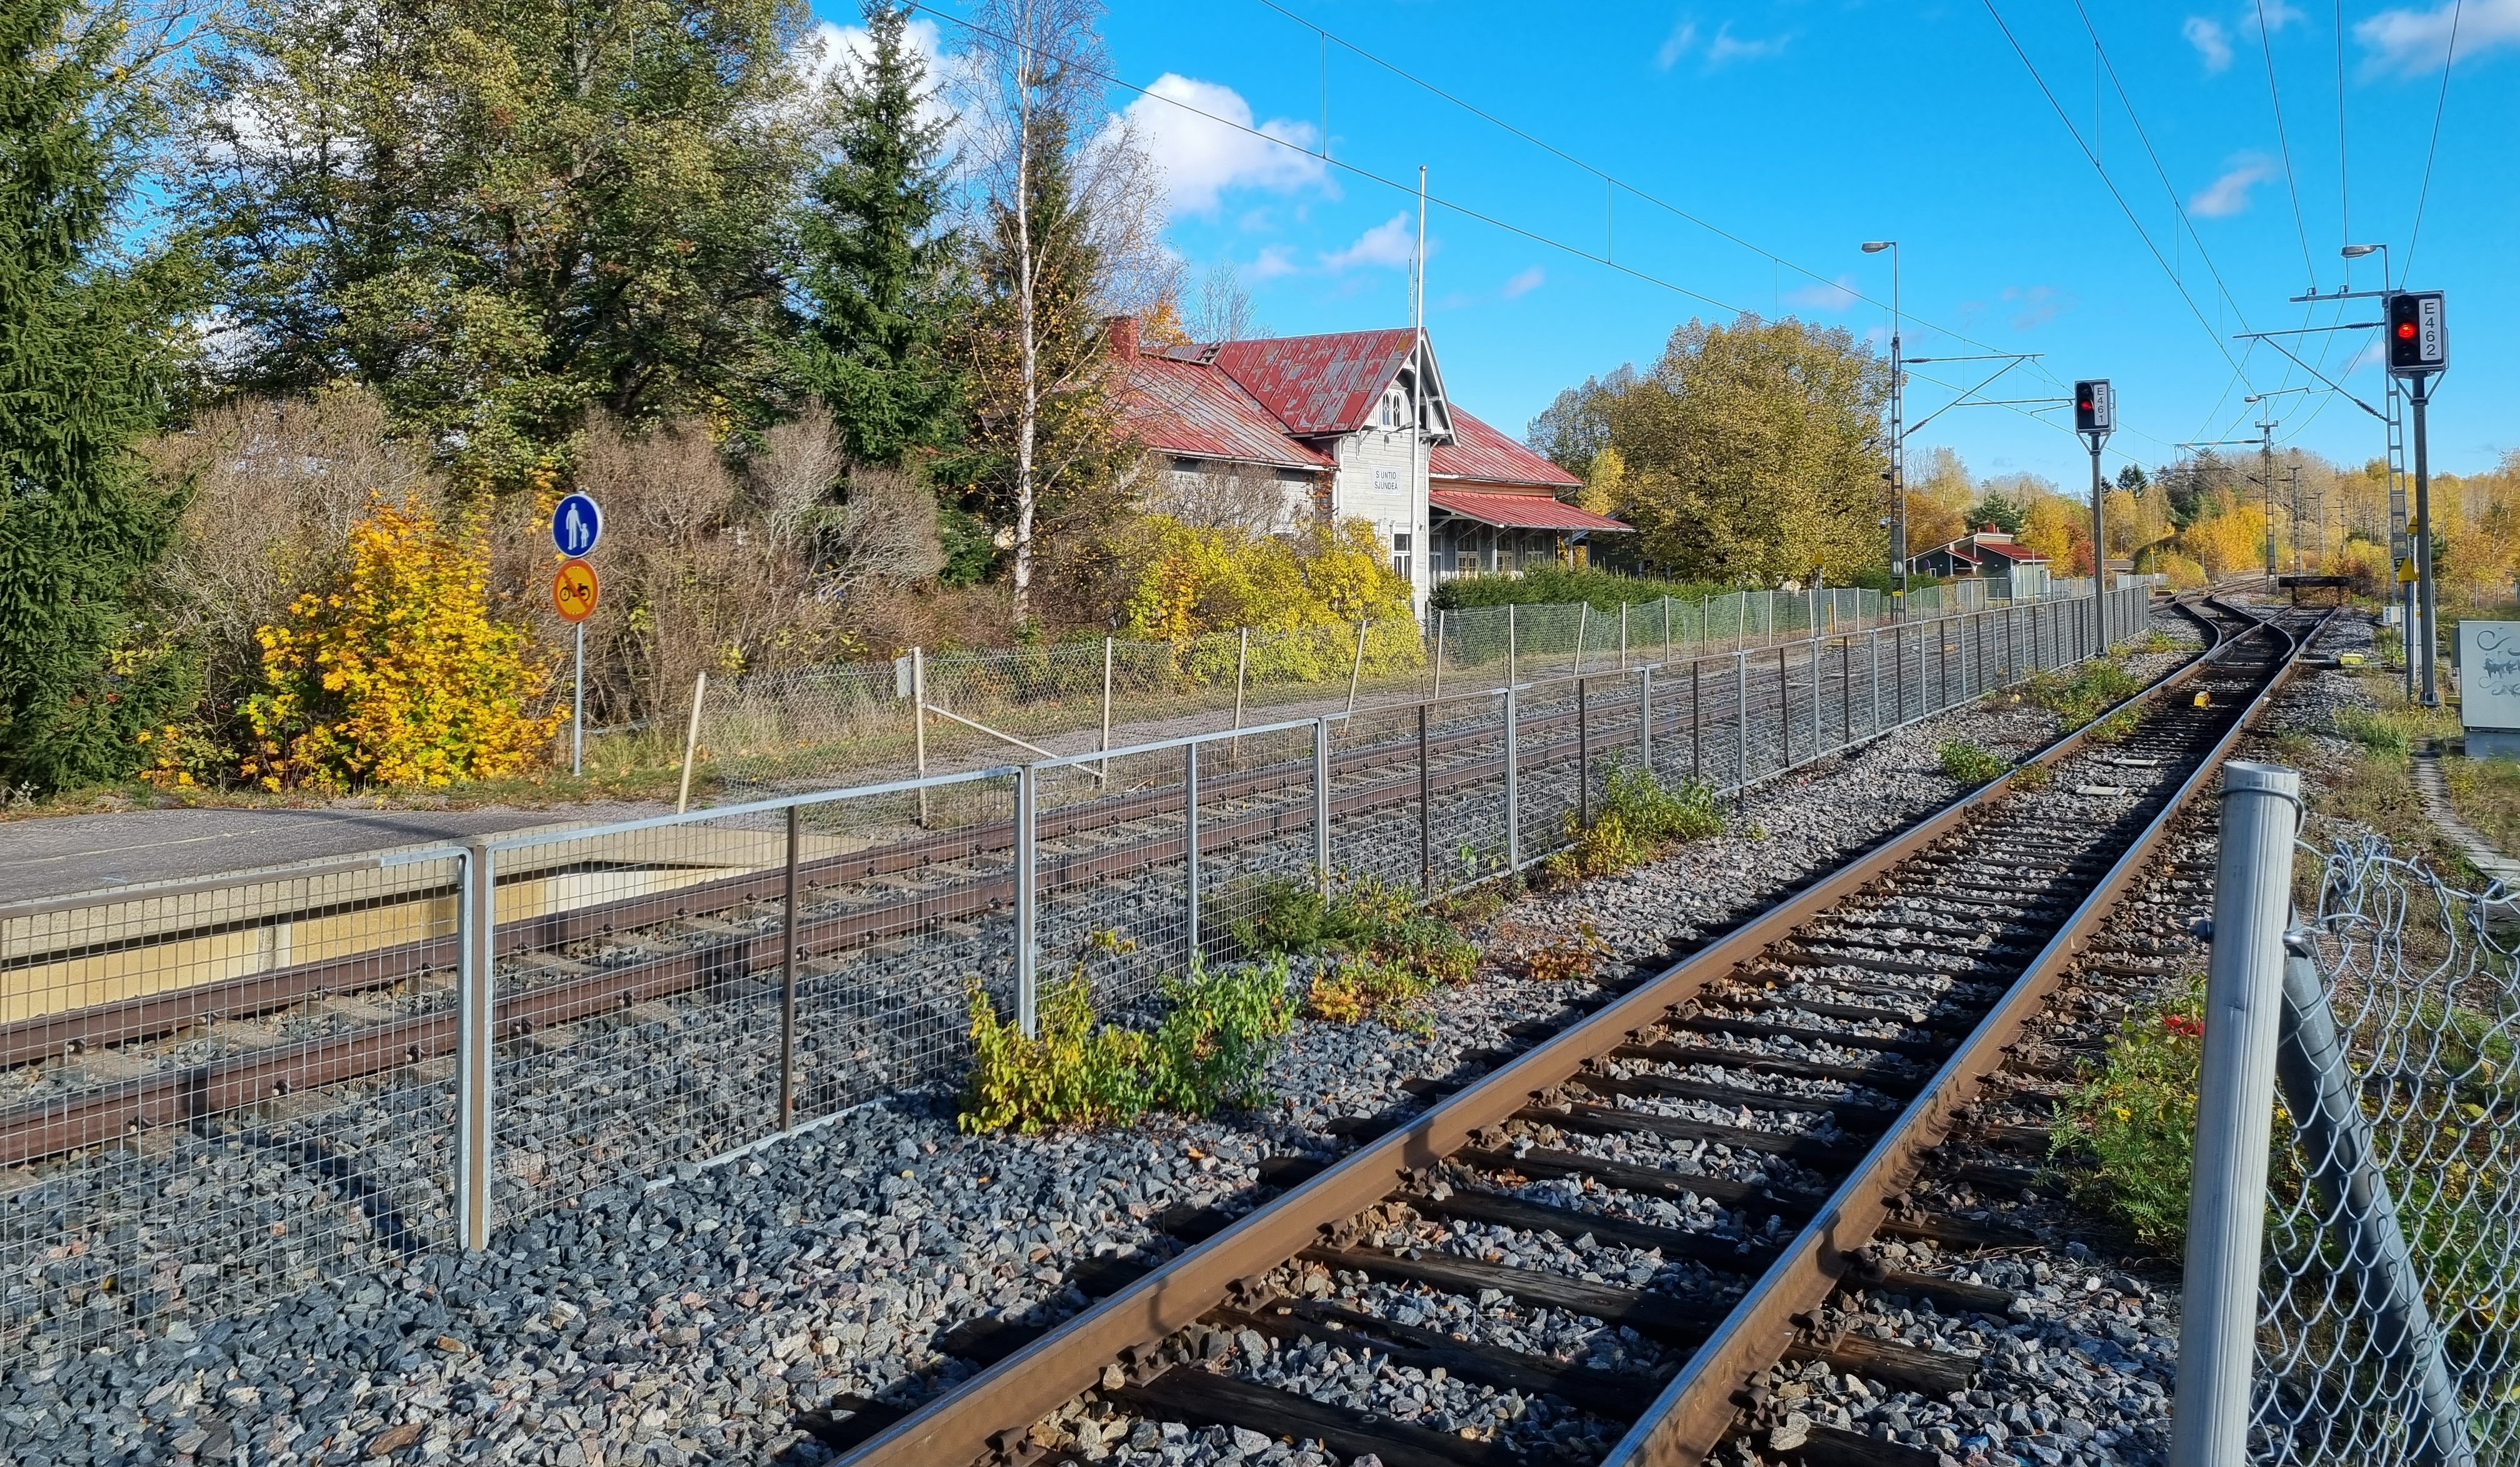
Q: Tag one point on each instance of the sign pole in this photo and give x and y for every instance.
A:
(577, 711)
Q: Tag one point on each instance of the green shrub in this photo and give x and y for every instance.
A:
(1385, 951)
(2136, 1121)
(2373, 730)
(2092, 690)
(2033, 777)
(1967, 763)
(1635, 815)
(1557, 585)
(1218, 1032)
(2117, 727)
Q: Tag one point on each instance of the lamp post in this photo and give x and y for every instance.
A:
(2357, 251)
(1898, 438)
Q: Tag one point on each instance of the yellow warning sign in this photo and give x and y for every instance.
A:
(2407, 568)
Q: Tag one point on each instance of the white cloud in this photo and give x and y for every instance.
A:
(1524, 283)
(2229, 194)
(1275, 260)
(2279, 14)
(1727, 47)
(1204, 156)
(1393, 242)
(1676, 45)
(2410, 42)
(822, 55)
(2040, 304)
(2212, 42)
(1822, 295)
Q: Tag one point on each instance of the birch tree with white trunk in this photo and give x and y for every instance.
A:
(1070, 237)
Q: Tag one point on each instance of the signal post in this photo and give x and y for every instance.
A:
(2096, 417)
(2418, 337)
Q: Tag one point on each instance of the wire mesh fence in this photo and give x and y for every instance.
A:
(2389, 1323)
(217, 1096)
(927, 712)
(230, 1092)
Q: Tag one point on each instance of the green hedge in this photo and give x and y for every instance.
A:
(1546, 584)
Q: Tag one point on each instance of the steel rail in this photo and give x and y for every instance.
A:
(990, 1410)
(1697, 1409)
(52, 1126)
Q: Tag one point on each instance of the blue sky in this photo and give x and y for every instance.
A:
(1803, 128)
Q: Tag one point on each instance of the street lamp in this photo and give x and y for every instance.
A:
(2357, 251)
(1898, 438)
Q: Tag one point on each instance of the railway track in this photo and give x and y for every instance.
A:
(726, 933)
(1697, 1166)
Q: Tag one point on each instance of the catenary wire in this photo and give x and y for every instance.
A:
(1434, 89)
(2111, 185)
(2440, 103)
(2283, 141)
(1367, 175)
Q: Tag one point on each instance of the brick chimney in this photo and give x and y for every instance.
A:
(1120, 337)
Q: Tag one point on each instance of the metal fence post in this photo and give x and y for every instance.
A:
(1785, 711)
(1513, 651)
(1742, 719)
(788, 982)
(1513, 788)
(1696, 726)
(2319, 1089)
(1820, 729)
(1582, 752)
(919, 723)
(1027, 901)
(1644, 716)
(1321, 801)
(1872, 640)
(476, 995)
(1425, 812)
(1190, 837)
(2218, 1342)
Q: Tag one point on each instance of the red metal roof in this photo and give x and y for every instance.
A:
(1184, 407)
(1520, 511)
(1319, 385)
(1479, 453)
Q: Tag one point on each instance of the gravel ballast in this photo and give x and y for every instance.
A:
(693, 1320)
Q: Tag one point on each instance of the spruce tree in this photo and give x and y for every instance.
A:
(83, 359)
(878, 271)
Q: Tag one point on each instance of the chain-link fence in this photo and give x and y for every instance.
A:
(224, 1093)
(931, 712)
(2390, 1330)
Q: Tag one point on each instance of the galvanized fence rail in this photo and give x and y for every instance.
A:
(227, 1093)
(930, 712)
(2353, 1288)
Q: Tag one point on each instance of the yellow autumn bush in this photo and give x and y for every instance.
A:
(1302, 597)
(395, 671)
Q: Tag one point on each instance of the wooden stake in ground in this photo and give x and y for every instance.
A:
(691, 743)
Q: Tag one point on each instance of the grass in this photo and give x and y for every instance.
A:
(1217, 1034)
(2135, 1122)
(2155, 640)
(2091, 690)
(2117, 727)
(1635, 816)
(1971, 764)
(2486, 793)
(1384, 952)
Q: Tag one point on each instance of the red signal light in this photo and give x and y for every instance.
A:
(2406, 331)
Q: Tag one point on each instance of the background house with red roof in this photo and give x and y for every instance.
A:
(1350, 424)
(1993, 555)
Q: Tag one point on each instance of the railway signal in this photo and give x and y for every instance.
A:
(2096, 407)
(2418, 336)
(2096, 417)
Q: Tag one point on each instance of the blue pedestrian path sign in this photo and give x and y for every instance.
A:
(576, 525)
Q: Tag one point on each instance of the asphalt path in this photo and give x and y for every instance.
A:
(68, 855)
